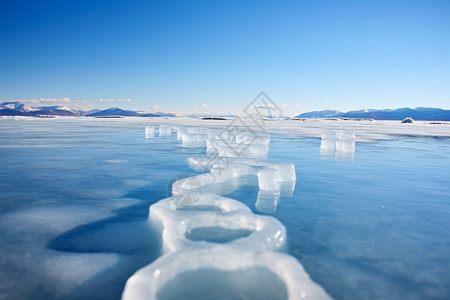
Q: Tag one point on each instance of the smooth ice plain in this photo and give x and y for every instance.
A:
(86, 205)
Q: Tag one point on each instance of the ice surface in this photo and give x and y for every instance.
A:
(368, 222)
(153, 281)
(61, 272)
(63, 235)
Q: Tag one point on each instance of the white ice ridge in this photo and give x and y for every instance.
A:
(261, 232)
(207, 237)
(271, 175)
(153, 281)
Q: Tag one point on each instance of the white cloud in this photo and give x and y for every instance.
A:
(83, 107)
(42, 100)
(54, 100)
(279, 105)
(156, 107)
(81, 101)
(25, 101)
(112, 100)
(206, 109)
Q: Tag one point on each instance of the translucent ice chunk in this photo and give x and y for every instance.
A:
(243, 151)
(179, 130)
(281, 172)
(193, 140)
(267, 233)
(197, 130)
(268, 179)
(205, 266)
(165, 130)
(286, 171)
(149, 132)
(250, 137)
(328, 142)
(346, 142)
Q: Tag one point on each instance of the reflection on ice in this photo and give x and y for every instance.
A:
(267, 201)
(149, 132)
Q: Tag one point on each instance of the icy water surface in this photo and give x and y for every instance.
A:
(75, 195)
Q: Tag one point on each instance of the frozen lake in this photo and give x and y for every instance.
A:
(75, 197)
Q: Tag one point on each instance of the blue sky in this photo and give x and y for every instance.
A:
(192, 56)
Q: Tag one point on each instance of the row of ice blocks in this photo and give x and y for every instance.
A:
(162, 130)
(209, 239)
(338, 141)
(221, 142)
(240, 136)
(270, 174)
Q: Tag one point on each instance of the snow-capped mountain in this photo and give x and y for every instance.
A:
(17, 106)
(20, 109)
(57, 110)
(114, 111)
(321, 114)
(419, 113)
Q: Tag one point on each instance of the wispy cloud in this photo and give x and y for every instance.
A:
(279, 105)
(81, 101)
(42, 100)
(112, 100)
(54, 100)
(206, 109)
(26, 101)
(83, 107)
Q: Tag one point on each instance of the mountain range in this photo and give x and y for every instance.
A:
(419, 113)
(20, 109)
